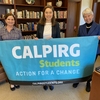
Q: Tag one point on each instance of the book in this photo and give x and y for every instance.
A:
(19, 14)
(61, 14)
(27, 14)
(55, 14)
(32, 26)
(23, 14)
(37, 15)
(12, 11)
(65, 14)
(25, 27)
(30, 14)
(7, 10)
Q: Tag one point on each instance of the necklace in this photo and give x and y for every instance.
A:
(88, 26)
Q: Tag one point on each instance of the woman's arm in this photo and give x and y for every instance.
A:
(99, 37)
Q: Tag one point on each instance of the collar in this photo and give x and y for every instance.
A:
(88, 25)
(12, 28)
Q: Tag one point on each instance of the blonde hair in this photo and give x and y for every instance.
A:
(87, 11)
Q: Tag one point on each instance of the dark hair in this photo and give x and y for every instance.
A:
(9, 14)
(43, 20)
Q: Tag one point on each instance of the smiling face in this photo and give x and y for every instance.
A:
(88, 18)
(10, 21)
(48, 14)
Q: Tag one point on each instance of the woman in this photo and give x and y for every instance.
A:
(48, 28)
(90, 28)
(10, 32)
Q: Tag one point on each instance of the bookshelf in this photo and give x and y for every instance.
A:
(27, 15)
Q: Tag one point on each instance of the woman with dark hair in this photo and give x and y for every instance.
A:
(48, 28)
(10, 32)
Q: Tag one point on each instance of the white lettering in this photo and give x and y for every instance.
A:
(72, 49)
(14, 50)
(27, 52)
(55, 50)
(36, 55)
(46, 50)
(63, 50)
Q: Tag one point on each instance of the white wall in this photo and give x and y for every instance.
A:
(85, 4)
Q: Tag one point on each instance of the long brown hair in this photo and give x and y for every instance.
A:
(43, 19)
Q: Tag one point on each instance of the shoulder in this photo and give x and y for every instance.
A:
(82, 25)
(16, 29)
(56, 24)
(40, 25)
(2, 29)
(96, 24)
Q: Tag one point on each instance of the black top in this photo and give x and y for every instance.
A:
(55, 31)
(88, 26)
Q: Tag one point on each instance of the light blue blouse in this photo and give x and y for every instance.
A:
(14, 34)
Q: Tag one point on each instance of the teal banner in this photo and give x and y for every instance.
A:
(48, 60)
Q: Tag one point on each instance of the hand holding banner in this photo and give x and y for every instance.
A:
(52, 61)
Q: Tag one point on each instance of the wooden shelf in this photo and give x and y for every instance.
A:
(28, 31)
(71, 6)
(27, 18)
(6, 4)
(55, 7)
(25, 5)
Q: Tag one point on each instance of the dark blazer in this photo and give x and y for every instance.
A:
(94, 30)
(55, 31)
